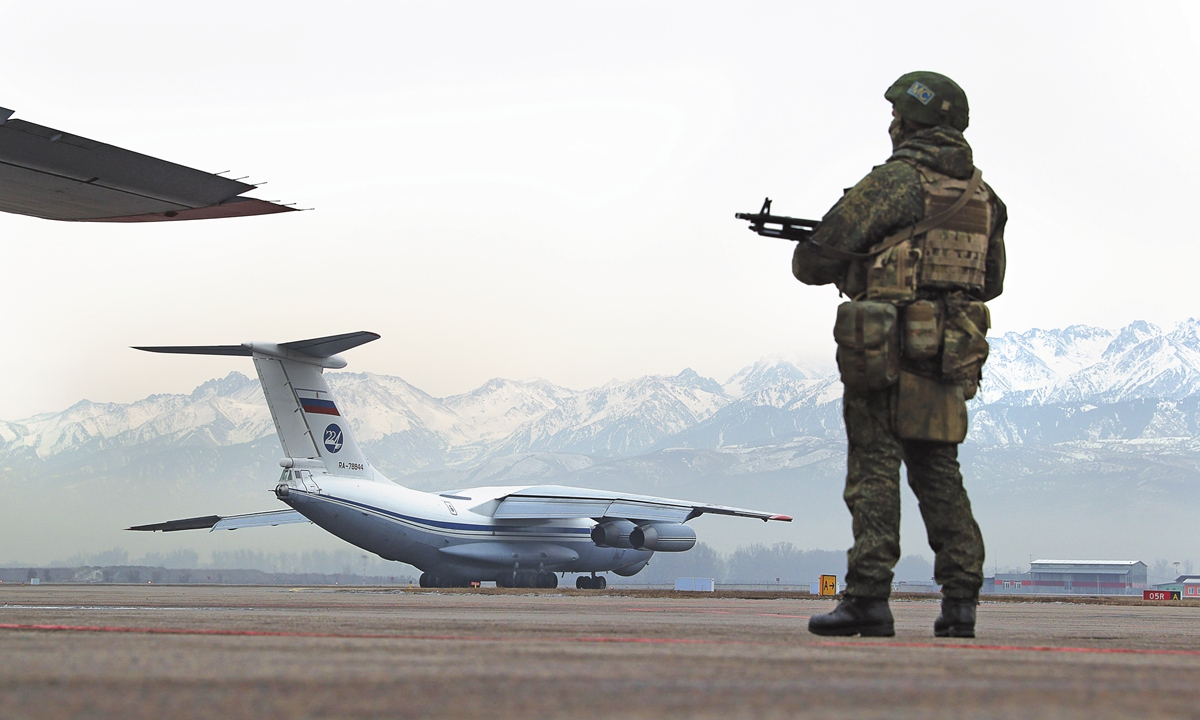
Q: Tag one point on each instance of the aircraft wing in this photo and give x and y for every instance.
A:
(560, 501)
(55, 175)
(230, 522)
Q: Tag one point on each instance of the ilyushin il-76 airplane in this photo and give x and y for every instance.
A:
(516, 536)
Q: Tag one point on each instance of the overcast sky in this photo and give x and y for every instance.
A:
(547, 189)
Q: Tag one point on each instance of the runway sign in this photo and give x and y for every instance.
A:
(1160, 594)
(828, 585)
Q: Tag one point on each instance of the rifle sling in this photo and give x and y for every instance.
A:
(924, 226)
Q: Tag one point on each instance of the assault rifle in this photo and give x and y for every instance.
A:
(789, 228)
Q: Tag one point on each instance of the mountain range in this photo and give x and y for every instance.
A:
(1068, 421)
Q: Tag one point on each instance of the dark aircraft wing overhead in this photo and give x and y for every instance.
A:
(58, 176)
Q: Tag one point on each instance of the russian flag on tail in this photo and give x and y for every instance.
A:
(319, 406)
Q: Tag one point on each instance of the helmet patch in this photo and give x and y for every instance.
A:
(921, 93)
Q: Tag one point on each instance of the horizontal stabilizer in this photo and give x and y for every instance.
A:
(332, 345)
(322, 347)
(231, 522)
(196, 523)
(242, 350)
(262, 519)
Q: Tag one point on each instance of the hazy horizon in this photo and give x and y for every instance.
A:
(548, 190)
(821, 365)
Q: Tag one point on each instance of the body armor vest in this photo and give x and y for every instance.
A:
(951, 256)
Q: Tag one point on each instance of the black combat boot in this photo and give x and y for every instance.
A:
(957, 618)
(869, 617)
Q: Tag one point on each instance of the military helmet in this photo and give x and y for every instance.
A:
(930, 99)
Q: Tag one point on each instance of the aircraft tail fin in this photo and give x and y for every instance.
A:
(307, 418)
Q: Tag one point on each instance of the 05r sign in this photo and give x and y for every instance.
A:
(1160, 594)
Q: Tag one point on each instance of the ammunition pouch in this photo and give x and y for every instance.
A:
(925, 409)
(868, 339)
(893, 273)
(871, 339)
(922, 330)
(964, 342)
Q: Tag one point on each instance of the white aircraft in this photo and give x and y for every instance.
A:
(517, 536)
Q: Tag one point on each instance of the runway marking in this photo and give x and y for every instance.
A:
(8, 606)
(346, 636)
(591, 639)
(233, 633)
(690, 611)
(1005, 648)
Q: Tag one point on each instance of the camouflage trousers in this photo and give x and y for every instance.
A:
(873, 496)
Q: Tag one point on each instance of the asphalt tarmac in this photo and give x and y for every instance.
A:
(267, 652)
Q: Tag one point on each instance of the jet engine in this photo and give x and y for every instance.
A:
(613, 534)
(663, 537)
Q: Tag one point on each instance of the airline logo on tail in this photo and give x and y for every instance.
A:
(333, 438)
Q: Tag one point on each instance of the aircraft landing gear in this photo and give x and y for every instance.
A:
(527, 579)
(429, 580)
(583, 582)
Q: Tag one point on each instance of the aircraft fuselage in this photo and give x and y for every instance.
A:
(451, 535)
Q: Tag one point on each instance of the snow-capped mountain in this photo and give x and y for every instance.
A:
(769, 372)
(1091, 365)
(228, 411)
(1040, 386)
(1104, 420)
(621, 419)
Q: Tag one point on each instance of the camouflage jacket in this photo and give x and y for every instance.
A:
(888, 199)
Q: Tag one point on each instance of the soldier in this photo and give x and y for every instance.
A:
(918, 247)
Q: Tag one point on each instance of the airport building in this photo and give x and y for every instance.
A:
(1072, 577)
(1177, 585)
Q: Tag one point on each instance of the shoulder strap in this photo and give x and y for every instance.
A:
(929, 223)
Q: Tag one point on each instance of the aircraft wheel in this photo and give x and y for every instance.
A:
(601, 583)
(505, 580)
(424, 581)
(527, 580)
(548, 581)
(583, 582)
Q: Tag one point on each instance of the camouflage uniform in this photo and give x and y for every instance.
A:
(885, 201)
